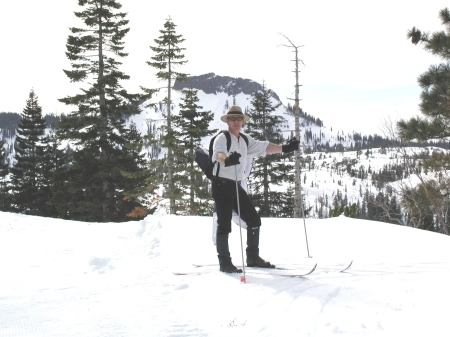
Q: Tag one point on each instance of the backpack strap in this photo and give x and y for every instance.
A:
(227, 135)
(211, 143)
(244, 137)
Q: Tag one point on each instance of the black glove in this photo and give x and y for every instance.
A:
(290, 146)
(232, 159)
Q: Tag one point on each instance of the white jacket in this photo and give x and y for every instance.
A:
(255, 148)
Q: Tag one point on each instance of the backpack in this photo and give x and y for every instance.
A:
(204, 160)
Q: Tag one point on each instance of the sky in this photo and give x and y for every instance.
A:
(358, 68)
(69, 278)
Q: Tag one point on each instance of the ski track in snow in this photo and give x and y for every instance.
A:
(66, 278)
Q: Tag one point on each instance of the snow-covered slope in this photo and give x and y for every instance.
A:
(324, 174)
(219, 98)
(66, 278)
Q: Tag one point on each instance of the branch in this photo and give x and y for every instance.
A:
(292, 45)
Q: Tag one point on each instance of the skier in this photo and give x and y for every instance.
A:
(231, 167)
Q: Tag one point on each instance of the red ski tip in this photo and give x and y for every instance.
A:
(243, 280)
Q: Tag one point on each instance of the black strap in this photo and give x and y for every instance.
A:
(244, 137)
(227, 135)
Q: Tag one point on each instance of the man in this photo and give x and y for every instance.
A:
(231, 168)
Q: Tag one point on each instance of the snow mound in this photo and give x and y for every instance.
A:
(67, 278)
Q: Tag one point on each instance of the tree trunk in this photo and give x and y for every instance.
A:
(103, 119)
(297, 192)
(170, 145)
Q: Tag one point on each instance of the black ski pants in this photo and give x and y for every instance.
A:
(224, 195)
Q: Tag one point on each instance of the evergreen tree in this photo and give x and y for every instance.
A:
(98, 128)
(55, 167)
(435, 107)
(435, 96)
(4, 187)
(137, 179)
(190, 127)
(285, 206)
(168, 56)
(271, 169)
(350, 211)
(29, 154)
(154, 174)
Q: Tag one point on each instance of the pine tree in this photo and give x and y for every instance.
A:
(29, 153)
(168, 56)
(4, 187)
(435, 107)
(435, 96)
(98, 128)
(268, 170)
(137, 179)
(55, 167)
(285, 206)
(190, 127)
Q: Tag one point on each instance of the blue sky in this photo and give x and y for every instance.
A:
(359, 66)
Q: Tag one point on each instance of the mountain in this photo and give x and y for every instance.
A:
(213, 84)
(218, 93)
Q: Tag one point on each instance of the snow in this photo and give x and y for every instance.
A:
(216, 103)
(67, 278)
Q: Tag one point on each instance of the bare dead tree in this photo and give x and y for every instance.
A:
(298, 204)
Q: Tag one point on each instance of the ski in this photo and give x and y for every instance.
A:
(196, 265)
(339, 270)
(290, 267)
(251, 270)
(286, 271)
(280, 272)
(325, 269)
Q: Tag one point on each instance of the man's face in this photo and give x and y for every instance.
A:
(235, 123)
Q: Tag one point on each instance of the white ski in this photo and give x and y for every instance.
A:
(249, 270)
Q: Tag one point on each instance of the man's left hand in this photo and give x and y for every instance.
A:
(290, 146)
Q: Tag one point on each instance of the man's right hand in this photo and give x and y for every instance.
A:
(232, 159)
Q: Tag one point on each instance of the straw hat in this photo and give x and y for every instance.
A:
(234, 111)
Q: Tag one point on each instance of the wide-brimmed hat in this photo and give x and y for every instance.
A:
(234, 111)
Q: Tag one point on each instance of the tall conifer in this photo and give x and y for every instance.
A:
(4, 189)
(168, 56)
(190, 127)
(29, 153)
(55, 167)
(435, 123)
(270, 170)
(98, 127)
(435, 96)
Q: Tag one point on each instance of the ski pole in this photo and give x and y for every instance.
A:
(243, 280)
(301, 202)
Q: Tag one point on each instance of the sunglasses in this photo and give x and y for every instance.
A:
(235, 119)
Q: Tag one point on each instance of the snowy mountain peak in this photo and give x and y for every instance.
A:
(212, 84)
